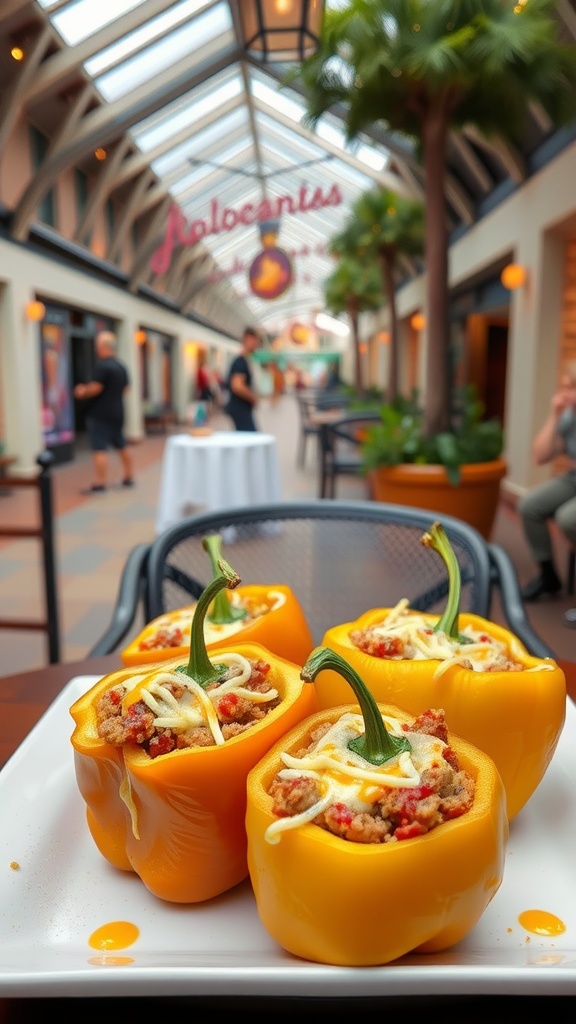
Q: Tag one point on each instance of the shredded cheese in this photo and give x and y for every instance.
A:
(195, 707)
(420, 642)
(181, 621)
(125, 794)
(343, 775)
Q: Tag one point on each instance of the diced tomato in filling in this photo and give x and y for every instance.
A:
(380, 647)
(227, 705)
(451, 758)
(408, 800)
(135, 719)
(161, 744)
(167, 636)
(410, 831)
(260, 670)
(341, 814)
(390, 648)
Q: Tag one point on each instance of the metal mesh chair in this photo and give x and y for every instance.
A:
(340, 558)
(340, 449)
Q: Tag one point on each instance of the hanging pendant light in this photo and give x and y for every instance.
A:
(280, 30)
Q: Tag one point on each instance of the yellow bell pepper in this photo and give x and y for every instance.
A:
(333, 901)
(266, 614)
(514, 716)
(177, 819)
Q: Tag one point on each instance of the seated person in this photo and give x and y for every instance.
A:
(556, 498)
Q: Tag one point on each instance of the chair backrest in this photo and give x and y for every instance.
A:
(340, 441)
(306, 403)
(313, 400)
(339, 558)
(346, 433)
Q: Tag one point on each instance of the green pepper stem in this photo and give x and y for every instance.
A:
(437, 540)
(377, 745)
(199, 667)
(222, 610)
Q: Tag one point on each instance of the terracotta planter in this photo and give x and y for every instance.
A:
(474, 500)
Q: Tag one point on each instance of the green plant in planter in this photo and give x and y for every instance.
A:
(399, 437)
(424, 69)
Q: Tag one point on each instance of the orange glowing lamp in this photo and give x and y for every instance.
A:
(513, 276)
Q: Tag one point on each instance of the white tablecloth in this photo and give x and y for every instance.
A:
(225, 469)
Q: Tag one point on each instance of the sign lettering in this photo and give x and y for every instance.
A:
(180, 232)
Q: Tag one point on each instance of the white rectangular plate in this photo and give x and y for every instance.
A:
(62, 890)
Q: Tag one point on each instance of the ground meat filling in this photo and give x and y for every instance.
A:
(164, 638)
(444, 791)
(407, 636)
(177, 634)
(136, 723)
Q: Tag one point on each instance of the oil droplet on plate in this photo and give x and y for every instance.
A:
(114, 935)
(541, 922)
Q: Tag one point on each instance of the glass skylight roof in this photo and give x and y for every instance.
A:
(234, 139)
(80, 18)
(176, 15)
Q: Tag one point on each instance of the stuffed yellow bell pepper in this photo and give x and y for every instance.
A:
(495, 694)
(268, 614)
(371, 836)
(162, 753)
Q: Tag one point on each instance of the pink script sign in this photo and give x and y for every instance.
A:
(179, 232)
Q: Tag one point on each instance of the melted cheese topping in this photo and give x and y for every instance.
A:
(414, 629)
(195, 707)
(182, 619)
(345, 777)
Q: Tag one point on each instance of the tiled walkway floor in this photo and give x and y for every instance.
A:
(94, 535)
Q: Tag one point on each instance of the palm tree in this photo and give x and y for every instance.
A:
(354, 287)
(386, 226)
(423, 68)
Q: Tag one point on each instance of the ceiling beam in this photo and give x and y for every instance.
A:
(129, 215)
(192, 273)
(103, 125)
(384, 178)
(12, 101)
(139, 161)
(150, 241)
(10, 7)
(101, 190)
(510, 158)
(474, 165)
(42, 180)
(58, 67)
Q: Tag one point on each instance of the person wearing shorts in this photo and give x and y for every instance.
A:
(105, 412)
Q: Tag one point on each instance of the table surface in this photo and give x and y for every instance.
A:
(223, 469)
(23, 700)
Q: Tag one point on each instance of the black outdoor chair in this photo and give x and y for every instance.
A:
(340, 449)
(312, 401)
(308, 428)
(340, 558)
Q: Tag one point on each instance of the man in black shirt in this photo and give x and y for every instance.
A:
(243, 397)
(105, 411)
